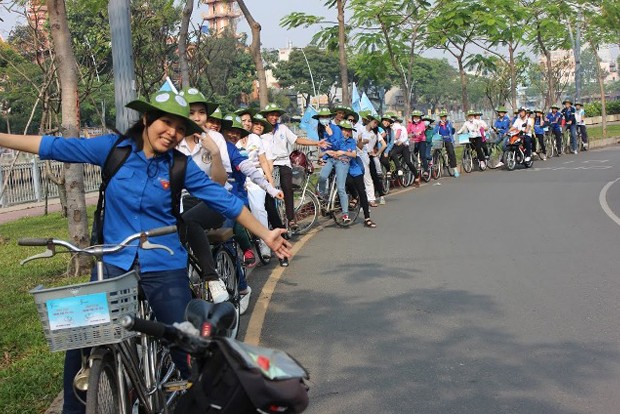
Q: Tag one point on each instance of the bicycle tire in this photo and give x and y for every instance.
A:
(437, 169)
(550, 146)
(256, 242)
(466, 161)
(386, 178)
(511, 161)
(227, 270)
(103, 396)
(306, 210)
(354, 212)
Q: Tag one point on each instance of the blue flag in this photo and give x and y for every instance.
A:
(367, 105)
(355, 99)
(168, 86)
(310, 124)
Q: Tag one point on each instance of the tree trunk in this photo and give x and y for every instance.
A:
(464, 98)
(344, 70)
(263, 92)
(513, 76)
(550, 100)
(70, 127)
(601, 84)
(183, 65)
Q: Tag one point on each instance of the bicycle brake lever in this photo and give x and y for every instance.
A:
(49, 252)
(147, 245)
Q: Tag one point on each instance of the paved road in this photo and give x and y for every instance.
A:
(498, 292)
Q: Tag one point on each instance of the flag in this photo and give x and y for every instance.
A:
(310, 124)
(355, 99)
(367, 105)
(168, 86)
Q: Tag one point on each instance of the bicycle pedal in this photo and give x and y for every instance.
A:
(173, 386)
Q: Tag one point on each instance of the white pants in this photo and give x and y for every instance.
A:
(368, 184)
(377, 162)
(256, 198)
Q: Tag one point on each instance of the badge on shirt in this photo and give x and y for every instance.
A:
(164, 183)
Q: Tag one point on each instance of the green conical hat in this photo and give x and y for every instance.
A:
(471, 112)
(271, 107)
(416, 113)
(217, 114)
(235, 124)
(429, 119)
(501, 109)
(259, 119)
(578, 103)
(193, 95)
(387, 116)
(538, 111)
(369, 116)
(243, 111)
(323, 113)
(569, 100)
(555, 106)
(170, 103)
(344, 124)
(443, 113)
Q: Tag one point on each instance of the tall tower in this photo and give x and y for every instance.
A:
(221, 15)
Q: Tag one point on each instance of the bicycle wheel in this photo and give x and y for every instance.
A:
(446, 165)
(467, 161)
(102, 396)
(437, 168)
(354, 212)
(495, 156)
(306, 210)
(386, 178)
(550, 146)
(227, 270)
(511, 161)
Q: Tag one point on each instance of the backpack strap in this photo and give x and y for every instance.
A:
(177, 181)
(113, 162)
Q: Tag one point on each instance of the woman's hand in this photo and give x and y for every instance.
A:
(323, 144)
(280, 196)
(278, 244)
(207, 143)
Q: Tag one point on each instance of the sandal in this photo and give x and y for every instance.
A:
(373, 204)
(369, 223)
(352, 203)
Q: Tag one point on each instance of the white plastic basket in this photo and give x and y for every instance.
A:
(87, 314)
(463, 138)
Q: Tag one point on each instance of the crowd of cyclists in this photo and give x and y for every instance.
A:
(230, 177)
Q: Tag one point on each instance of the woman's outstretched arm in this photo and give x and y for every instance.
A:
(27, 143)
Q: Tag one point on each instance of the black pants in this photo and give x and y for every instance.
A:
(197, 218)
(451, 154)
(584, 133)
(376, 179)
(404, 150)
(477, 144)
(558, 140)
(272, 213)
(356, 188)
(541, 143)
(286, 185)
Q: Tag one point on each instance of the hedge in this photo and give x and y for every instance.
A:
(594, 108)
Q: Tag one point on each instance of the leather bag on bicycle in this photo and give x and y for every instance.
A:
(240, 378)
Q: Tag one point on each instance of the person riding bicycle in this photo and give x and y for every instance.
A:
(428, 133)
(539, 130)
(580, 114)
(445, 129)
(417, 136)
(138, 198)
(401, 148)
(386, 124)
(568, 113)
(472, 127)
(279, 141)
(332, 134)
(554, 120)
(367, 138)
(524, 125)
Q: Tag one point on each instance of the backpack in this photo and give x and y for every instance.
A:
(114, 161)
(238, 378)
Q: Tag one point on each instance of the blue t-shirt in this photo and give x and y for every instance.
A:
(555, 121)
(569, 115)
(539, 127)
(236, 178)
(445, 130)
(355, 166)
(502, 125)
(138, 197)
(335, 139)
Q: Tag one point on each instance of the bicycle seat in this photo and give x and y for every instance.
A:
(221, 235)
(221, 316)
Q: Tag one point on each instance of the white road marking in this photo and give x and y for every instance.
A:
(602, 199)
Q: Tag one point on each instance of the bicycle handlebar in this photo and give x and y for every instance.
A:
(34, 242)
(160, 231)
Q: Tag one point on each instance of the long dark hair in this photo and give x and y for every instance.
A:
(137, 129)
(321, 130)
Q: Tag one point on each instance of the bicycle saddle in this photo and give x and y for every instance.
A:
(211, 319)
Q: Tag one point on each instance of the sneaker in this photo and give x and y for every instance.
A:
(218, 291)
(528, 159)
(400, 173)
(456, 173)
(249, 260)
(483, 165)
(345, 218)
(382, 200)
(425, 174)
(389, 174)
(574, 152)
(284, 262)
(500, 164)
(585, 146)
(543, 157)
(244, 302)
(264, 250)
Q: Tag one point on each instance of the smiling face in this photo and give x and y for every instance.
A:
(246, 121)
(198, 114)
(272, 117)
(163, 134)
(339, 115)
(213, 124)
(233, 135)
(258, 128)
(347, 132)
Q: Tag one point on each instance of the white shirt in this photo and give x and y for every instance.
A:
(199, 153)
(370, 136)
(529, 125)
(254, 148)
(580, 114)
(279, 144)
(404, 135)
(472, 127)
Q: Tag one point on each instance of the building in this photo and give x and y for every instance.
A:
(566, 59)
(221, 15)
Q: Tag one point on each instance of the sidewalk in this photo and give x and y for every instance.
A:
(18, 211)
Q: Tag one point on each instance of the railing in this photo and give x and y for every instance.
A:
(28, 183)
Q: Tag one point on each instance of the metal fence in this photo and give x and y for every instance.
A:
(27, 182)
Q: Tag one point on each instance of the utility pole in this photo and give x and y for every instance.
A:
(122, 62)
(578, 54)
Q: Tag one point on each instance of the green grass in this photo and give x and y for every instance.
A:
(30, 375)
(597, 132)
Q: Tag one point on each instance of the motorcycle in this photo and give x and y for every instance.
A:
(515, 151)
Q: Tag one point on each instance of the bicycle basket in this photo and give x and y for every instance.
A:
(299, 176)
(463, 138)
(437, 142)
(87, 314)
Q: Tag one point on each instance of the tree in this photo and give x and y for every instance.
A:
(183, 65)
(255, 27)
(70, 126)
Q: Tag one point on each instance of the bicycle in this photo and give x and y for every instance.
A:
(226, 257)
(123, 372)
(417, 162)
(440, 160)
(494, 147)
(407, 178)
(306, 206)
(550, 144)
(330, 205)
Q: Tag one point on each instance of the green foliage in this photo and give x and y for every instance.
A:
(595, 108)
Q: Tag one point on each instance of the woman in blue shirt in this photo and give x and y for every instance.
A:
(446, 130)
(138, 198)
